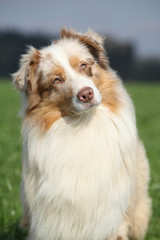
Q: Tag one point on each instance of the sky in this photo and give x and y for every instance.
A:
(137, 21)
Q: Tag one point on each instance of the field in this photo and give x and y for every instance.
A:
(147, 103)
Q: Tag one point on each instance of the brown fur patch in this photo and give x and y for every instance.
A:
(59, 72)
(103, 81)
(48, 83)
(82, 38)
(106, 84)
(75, 63)
(119, 238)
(49, 101)
(50, 118)
(55, 101)
(93, 46)
(44, 117)
(49, 111)
(41, 117)
(31, 78)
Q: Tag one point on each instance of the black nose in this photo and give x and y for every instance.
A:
(85, 95)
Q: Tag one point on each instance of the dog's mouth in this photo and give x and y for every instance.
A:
(90, 105)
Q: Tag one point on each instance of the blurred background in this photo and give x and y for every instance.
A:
(131, 28)
(132, 42)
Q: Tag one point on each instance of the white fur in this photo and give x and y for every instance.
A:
(82, 179)
(78, 83)
(83, 182)
(60, 54)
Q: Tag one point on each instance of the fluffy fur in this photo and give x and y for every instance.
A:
(85, 173)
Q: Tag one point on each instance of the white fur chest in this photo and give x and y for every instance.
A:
(84, 181)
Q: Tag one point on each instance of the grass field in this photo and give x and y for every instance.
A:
(147, 102)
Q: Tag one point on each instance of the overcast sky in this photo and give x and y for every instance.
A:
(135, 20)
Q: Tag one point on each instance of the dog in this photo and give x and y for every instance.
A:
(85, 173)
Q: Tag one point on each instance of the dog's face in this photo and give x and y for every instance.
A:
(69, 76)
(66, 72)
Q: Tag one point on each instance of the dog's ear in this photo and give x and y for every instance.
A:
(24, 78)
(94, 43)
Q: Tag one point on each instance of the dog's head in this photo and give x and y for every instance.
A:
(67, 76)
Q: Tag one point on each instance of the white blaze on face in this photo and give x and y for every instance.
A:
(80, 82)
(61, 53)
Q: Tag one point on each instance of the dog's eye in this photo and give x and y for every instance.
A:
(57, 80)
(83, 65)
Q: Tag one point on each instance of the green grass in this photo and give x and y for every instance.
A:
(10, 160)
(147, 103)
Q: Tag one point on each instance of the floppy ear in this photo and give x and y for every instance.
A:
(24, 78)
(94, 43)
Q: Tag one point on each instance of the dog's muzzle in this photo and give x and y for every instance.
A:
(85, 95)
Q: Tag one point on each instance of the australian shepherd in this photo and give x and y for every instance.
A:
(85, 173)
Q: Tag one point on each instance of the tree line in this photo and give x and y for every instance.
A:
(121, 55)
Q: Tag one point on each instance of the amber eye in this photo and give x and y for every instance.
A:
(83, 65)
(57, 80)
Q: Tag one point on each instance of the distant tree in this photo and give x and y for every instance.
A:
(121, 55)
(147, 70)
(13, 44)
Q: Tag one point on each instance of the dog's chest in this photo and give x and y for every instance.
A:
(83, 171)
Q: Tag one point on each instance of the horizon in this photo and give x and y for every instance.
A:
(137, 22)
